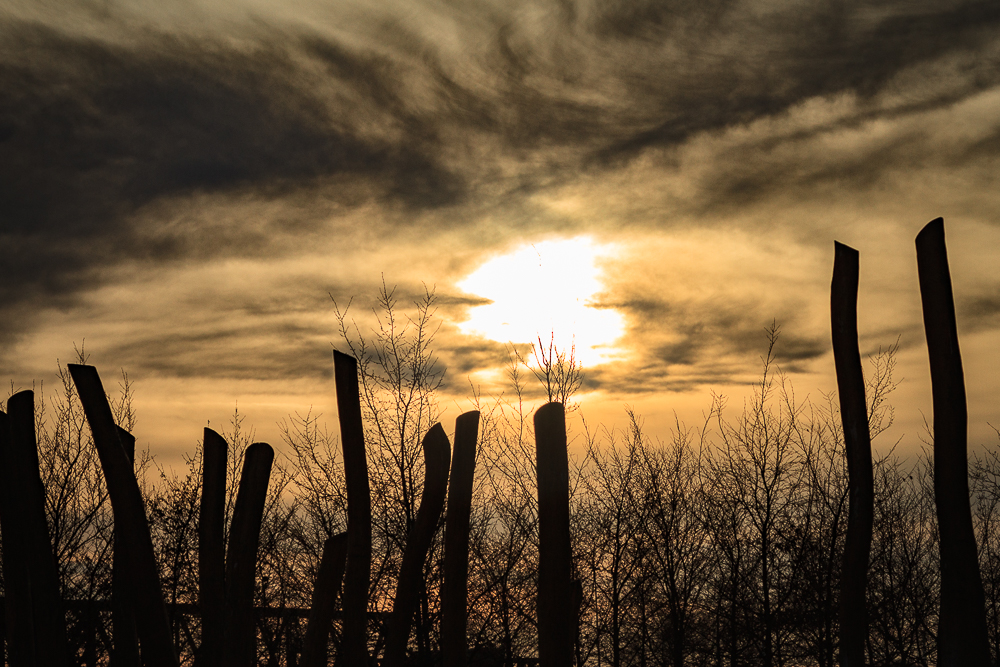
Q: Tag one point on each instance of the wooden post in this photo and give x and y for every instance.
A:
(324, 600)
(555, 616)
(212, 549)
(454, 600)
(152, 624)
(241, 557)
(125, 642)
(437, 457)
(293, 637)
(36, 620)
(49, 617)
(4, 655)
(858, 447)
(354, 645)
(91, 620)
(962, 636)
(18, 617)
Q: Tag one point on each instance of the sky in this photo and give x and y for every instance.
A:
(184, 185)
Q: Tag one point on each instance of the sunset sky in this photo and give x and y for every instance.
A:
(184, 185)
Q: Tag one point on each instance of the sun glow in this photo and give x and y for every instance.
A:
(547, 289)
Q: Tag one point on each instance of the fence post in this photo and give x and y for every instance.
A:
(241, 556)
(51, 647)
(454, 600)
(18, 619)
(555, 622)
(324, 599)
(125, 643)
(91, 620)
(212, 549)
(34, 582)
(858, 448)
(152, 624)
(4, 655)
(293, 639)
(354, 644)
(962, 636)
(437, 456)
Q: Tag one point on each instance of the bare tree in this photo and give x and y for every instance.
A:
(985, 482)
(678, 535)
(557, 370)
(904, 578)
(503, 541)
(758, 469)
(398, 377)
(611, 543)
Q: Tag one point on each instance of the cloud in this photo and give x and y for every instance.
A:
(138, 142)
(976, 313)
(728, 63)
(688, 345)
(98, 136)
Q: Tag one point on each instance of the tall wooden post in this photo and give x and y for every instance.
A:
(962, 637)
(858, 447)
(34, 580)
(437, 456)
(19, 627)
(212, 549)
(357, 575)
(125, 648)
(324, 599)
(152, 624)
(454, 599)
(241, 557)
(555, 592)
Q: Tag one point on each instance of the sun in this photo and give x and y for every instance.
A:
(547, 289)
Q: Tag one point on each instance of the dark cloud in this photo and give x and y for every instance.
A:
(686, 345)
(465, 359)
(254, 351)
(738, 62)
(749, 174)
(87, 119)
(94, 133)
(978, 313)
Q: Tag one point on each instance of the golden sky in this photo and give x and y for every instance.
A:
(183, 185)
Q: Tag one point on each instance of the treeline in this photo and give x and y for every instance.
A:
(717, 545)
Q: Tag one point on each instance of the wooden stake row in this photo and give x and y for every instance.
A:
(35, 619)
(962, 635)
(35, 622)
